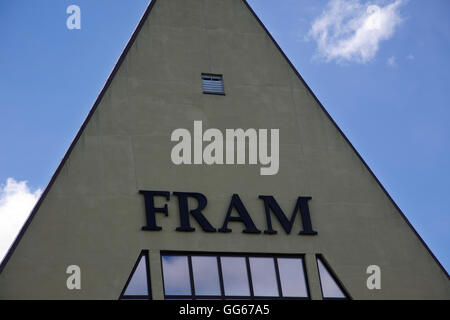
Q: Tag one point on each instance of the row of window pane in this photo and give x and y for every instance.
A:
(207, 275)
(228, 276)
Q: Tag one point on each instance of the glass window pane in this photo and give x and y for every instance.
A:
(138, 282)
(176, 275)
(235, 279)
(263, 277)
(330, 288)
(206, 276)
(292, 277)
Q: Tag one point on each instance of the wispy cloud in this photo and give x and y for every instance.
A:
(16, 202)
(348, 30)
(391, 61)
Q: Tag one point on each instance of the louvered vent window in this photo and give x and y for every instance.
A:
(212, 84)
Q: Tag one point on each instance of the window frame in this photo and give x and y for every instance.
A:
(246, 256)
(330, 270)
(145, 254)
(213, 75)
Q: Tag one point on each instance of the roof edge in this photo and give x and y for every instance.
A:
(78, 135)
(346, 139)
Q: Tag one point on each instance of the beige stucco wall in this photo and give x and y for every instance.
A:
(93, 214)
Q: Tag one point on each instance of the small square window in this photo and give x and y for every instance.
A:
(212, 84)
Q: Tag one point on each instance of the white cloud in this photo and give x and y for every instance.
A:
(410, 56)
(348, 30)
(16, 203)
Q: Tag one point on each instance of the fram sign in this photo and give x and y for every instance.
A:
(272, 209)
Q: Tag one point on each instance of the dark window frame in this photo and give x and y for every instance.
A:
(213, 75)
(145, 254)
(246, 256)
(330, 270)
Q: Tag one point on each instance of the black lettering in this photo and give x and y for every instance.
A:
(150, 209)
(183, 205)
(270, 204)
(244, 217)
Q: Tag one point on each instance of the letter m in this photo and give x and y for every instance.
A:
(270, 204)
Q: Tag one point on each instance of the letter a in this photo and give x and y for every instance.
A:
(374, 280)
(74, 280)
(181, 152)
(74, 20)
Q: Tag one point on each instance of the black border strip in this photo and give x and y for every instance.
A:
(346, 139)
(77, 137)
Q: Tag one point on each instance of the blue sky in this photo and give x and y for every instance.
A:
(391, 97)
